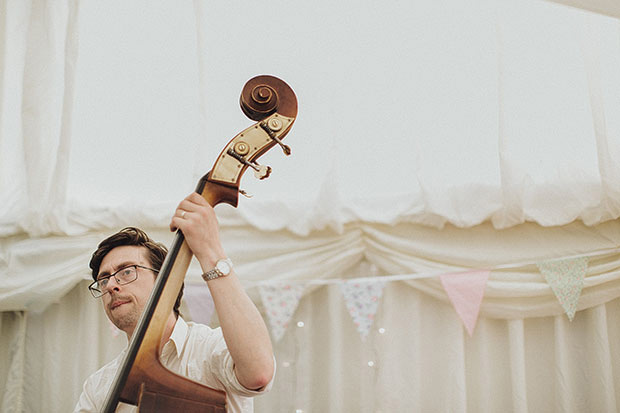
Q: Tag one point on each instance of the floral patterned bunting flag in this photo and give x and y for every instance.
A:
(565, 277)
(465, 291)
(280, 301)
(362, 301)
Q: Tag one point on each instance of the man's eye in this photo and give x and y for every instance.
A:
(126, 272)
(103, 283)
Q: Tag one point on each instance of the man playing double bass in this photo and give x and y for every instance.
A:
(236, 358)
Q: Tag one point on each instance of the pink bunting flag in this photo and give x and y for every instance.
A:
(199, 302)
(465, 290)
(280, 301)
(362, 300)
(565, 277)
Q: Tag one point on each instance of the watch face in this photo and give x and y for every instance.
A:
(223, 266)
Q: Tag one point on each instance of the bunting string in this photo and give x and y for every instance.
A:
(422, 275)
(465, 290)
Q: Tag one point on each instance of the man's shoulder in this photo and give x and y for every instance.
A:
(197, 331)
(203, 340)
(202, 329)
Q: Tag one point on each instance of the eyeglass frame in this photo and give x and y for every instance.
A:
(94, 291)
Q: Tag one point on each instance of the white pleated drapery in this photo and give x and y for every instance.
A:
(420, 358)
(433, 137)
(39, 58)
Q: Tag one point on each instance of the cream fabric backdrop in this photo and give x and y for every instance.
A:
(433, 136)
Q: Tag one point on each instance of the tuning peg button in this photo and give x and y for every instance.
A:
(262, 171)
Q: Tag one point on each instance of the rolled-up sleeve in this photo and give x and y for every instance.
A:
(212, 357)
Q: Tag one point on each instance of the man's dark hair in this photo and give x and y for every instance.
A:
(133, 236)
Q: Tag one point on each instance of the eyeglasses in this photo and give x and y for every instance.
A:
(123, 276)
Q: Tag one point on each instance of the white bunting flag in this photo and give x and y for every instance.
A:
(565, 277)
(280, 301)
(362, 301)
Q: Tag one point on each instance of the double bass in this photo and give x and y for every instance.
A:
(142, 380)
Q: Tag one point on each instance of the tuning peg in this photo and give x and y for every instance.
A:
(260, 171)
(285, 148)
(273, 126)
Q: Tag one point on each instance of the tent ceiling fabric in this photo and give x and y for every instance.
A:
(407, 114)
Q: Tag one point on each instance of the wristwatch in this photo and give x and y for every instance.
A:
(222, 269)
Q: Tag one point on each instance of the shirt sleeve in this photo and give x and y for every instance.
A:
(227, 369)
(217, 361)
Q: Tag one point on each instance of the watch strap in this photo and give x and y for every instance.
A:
(216, 272)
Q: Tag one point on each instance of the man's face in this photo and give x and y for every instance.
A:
(124, 304)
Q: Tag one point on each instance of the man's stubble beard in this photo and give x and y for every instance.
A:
(129, 319)
(126, 321)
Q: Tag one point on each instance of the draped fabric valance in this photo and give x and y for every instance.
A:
(40, 271)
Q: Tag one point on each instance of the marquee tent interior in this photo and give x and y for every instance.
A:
(443, 237)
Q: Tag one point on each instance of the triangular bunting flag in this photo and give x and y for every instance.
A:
(362, 301)
(280, 301)
(199, 302)
(565, 277)
(465, 290)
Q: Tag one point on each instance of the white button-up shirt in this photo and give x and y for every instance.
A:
(195, 351)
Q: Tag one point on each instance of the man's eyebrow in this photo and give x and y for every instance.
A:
(119, 267)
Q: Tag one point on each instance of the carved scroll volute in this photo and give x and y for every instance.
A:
(264, 95)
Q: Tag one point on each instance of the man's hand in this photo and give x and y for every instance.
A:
(196, 219)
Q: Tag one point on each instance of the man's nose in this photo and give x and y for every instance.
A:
(113, 285)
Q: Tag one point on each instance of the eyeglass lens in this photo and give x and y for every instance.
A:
(122, 276)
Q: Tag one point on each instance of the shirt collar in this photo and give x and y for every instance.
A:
(179, 335)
